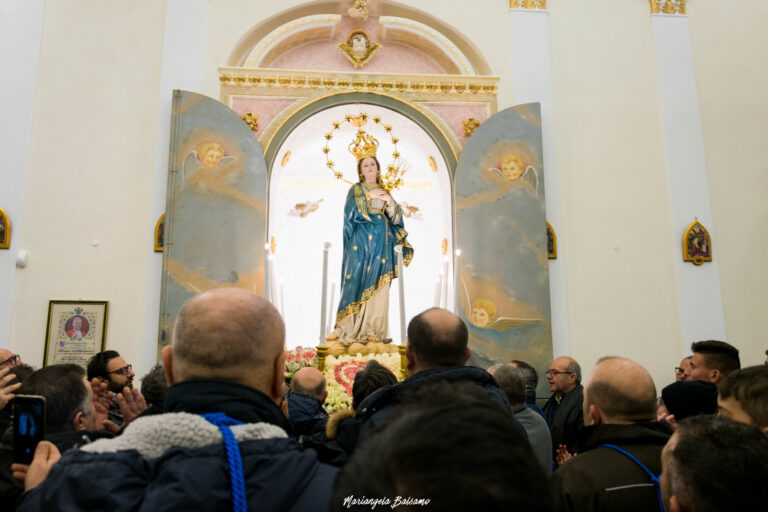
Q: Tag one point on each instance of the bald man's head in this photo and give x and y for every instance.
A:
(228, 333)
(619, 391)
(9, 359)
(437, 339)
(309, 381)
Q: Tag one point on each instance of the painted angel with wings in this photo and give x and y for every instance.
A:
(514, 169)
(484, 315)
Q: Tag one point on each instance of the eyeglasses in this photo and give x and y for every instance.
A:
(555, 372)
(679, 370)
(124, 370)
(11, 360)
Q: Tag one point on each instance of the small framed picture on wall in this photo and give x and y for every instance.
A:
(77, 330)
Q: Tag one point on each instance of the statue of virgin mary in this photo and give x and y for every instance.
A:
(373, 227)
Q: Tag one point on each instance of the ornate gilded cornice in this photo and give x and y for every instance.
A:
(671, 7)
(292, 79)
(539, 5)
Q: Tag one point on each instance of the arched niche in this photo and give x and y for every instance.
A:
(389, 22)
(306, 204)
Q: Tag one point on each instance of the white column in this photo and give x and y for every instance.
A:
(182, 68)
(700, 301)
(21, 27)
(532, 82)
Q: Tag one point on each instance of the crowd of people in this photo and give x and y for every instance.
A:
(216, 427)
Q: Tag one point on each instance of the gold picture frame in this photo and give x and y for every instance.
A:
(551, 242)
(5, 230)
(76, 330)
(160, 234)
(697, 244)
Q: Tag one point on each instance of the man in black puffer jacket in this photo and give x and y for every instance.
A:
(226, 362)
(437, 350)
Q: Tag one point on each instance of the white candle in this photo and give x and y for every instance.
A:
(323, 304)
(456, 285)
(438, 285)
(444, 298)
(330, 309)
(401, 289)
(266, 271)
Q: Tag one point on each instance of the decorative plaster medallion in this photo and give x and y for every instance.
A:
(359, 48)
(359, 10)
(668, 7)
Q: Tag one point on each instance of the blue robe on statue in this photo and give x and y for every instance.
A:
(371, 232)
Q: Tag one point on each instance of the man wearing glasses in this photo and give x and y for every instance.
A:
(8, 359)
(563, 411)
(109, 367)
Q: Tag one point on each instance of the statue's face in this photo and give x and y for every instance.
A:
(212, 158)
(511, 170)
(369, 170)
(480, 317)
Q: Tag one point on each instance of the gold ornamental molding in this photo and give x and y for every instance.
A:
(539, 5)
(671, 7)
(248, 79)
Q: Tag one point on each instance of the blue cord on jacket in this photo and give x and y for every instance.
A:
(234, 459)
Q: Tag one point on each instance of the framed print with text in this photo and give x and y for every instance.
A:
(77, 330)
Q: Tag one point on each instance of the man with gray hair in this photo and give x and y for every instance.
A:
(563, 411)
(222, 443)
(512, 381)
(712, 464)
(622, 442)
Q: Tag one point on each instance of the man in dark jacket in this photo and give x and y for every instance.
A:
(437, 350)
(305, 403)
(226, 362)
(69, 419)
(621, 457)
(563, 410)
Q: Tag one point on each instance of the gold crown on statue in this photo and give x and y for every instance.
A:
(364, 145)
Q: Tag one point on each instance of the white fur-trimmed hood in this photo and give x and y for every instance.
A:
(154, 435)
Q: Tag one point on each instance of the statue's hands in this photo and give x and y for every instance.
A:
(381, 194)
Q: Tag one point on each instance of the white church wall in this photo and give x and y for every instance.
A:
(730, 49)
(91, 167)
(614, 208)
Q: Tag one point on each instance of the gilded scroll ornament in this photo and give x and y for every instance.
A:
(668, 7)
(304, 209)
(470, 125)
(697, 244)
(528, 4)
(286, 157)
(359, 48)
(432, 164)
(444, 246)
(252, 120)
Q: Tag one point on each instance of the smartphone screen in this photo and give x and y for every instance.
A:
(28, 426)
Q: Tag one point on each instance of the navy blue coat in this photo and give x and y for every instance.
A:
(279, 474)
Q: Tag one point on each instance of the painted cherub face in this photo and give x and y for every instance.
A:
(358, 43)
(480, 317)
(212, 157)
(511, 169)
